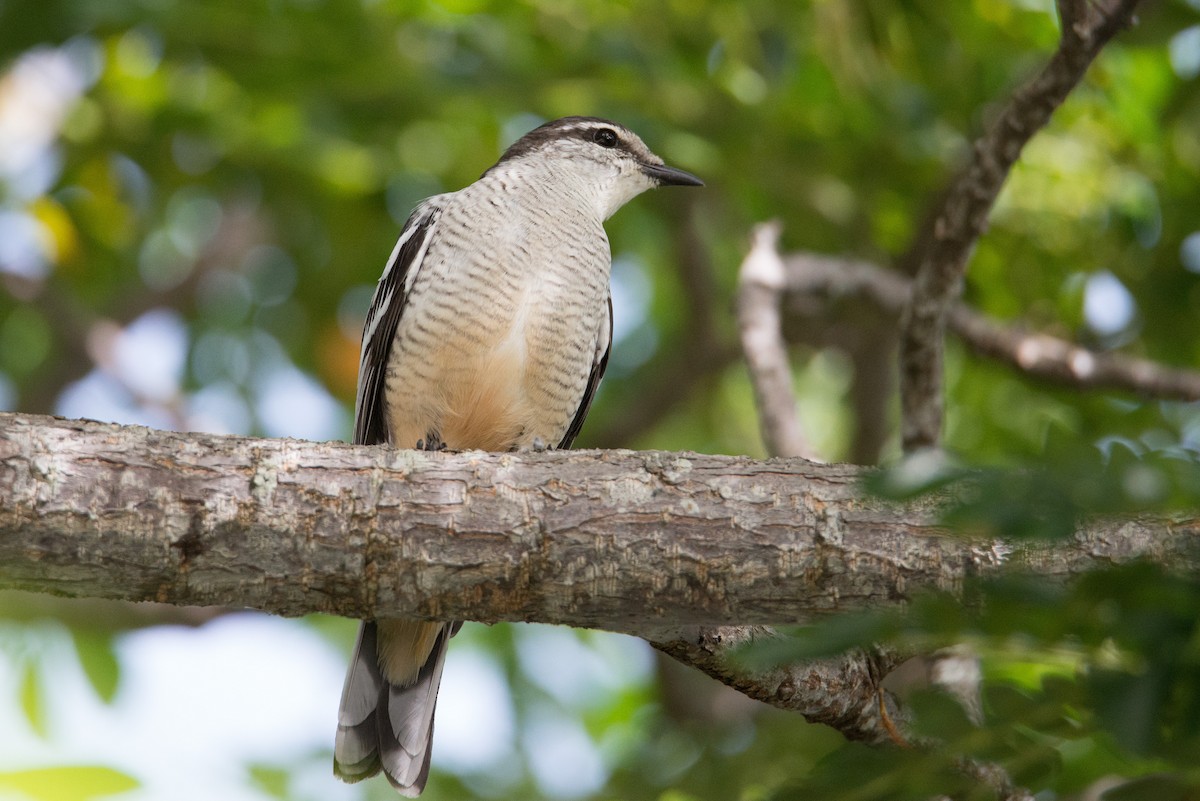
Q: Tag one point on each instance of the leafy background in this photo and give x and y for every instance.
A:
(195, 202)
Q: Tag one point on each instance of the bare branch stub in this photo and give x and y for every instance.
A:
(962, 218)
(760, 287)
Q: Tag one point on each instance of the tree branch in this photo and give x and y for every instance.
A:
(1086, 27)
(843, 692)
(760, 288)
(621, 540)
(1033, 353)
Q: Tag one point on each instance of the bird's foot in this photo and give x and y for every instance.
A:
(432, 442)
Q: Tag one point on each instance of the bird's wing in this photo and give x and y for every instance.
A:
(600, 361)
(391, 296)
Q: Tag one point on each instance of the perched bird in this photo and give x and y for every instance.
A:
(489, 330)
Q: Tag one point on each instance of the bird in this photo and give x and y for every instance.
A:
(490, 329)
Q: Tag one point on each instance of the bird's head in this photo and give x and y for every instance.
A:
(601, 156)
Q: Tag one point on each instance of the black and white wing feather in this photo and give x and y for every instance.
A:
(391, 296)
(599, 363)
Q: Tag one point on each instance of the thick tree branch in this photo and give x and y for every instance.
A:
(1087, 25)
(627, 541)
(1033, 353)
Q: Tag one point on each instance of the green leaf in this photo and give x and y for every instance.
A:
(99, 661)
(939, 716)
(676, 795)
(69, 783)
(827, 638)
(1153, 788)
(33, 699)
(269, 779)
(917, 474)
(1014, 504)
(866, 773)
(1127, 704)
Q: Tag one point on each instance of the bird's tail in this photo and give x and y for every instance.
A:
(385, 726)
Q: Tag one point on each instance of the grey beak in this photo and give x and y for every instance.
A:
(669, 176)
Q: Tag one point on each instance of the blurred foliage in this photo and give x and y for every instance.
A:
(1052, 497)
(1095, 680)
(66, 784)
(99, 663)
(196, 200)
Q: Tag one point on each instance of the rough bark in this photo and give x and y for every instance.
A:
(843, 692)
(626, 541)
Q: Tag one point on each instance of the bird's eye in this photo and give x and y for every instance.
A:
(605, 137)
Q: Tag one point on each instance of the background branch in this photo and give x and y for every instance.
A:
(842, 692)
(1033, 353)
(760, 288)
(962, 218)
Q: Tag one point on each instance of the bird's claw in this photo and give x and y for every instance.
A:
(433, 444)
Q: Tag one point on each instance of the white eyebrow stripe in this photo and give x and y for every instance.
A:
(589, 126)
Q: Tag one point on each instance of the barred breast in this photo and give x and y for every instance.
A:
(501, 325)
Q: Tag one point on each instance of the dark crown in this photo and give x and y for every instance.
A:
(563, 128)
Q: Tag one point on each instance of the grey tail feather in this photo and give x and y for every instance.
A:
(383, 726)
(405, 720)
(356, 748)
